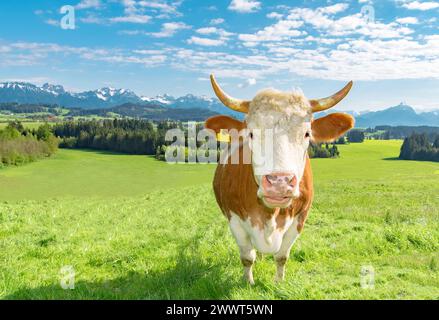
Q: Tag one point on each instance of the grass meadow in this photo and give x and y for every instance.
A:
(136, 228)
(27, 125)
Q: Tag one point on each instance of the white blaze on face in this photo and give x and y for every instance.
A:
(279, 123)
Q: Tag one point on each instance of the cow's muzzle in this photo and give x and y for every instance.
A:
(278, 189)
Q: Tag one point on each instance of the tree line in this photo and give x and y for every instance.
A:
(14, 107)
(137, 136)
(150, 112)
(420, 147)
(19, 145)
(400, 132)
(130, 136)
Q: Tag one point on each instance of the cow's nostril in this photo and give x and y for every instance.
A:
(281, 179)
(271, 179)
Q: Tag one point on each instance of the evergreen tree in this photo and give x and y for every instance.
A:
(418, 147)
(355, 136)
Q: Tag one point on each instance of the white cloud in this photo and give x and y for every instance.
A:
(322, 43)
(205, 41)
(214, 30)
(356, 24)
(353, 58)
(130, 7)
(322, 40)
(166, 8)
(357, 59)
(244, 6)
(141, 19)
(432, 37)
(162, 6)
(423, 6)
(216, 21)
(249, 82)
(279, 31)
(52, 22)
(169, 29)
(207, 30)
(407, 20)
(136, 12)
(132, 32)
(143, 11)
(334, 9)
(87, 4)
(223, 36)
(92, 19)
(151, 52)
(274, 15)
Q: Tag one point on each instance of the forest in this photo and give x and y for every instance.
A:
(420, 147)
(135, 136)
(19, 145)
(30, 108)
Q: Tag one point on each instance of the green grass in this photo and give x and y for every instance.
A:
(84, 174)
(28, 125)
(136, 228)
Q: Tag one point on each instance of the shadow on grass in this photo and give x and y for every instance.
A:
(392, 158)
(190, 278)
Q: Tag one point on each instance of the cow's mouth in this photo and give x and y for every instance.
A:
(277, 201)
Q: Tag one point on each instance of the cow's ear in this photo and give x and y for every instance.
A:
(219, 123)
(331, 127)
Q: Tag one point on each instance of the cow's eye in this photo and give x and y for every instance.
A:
(307, 134)
(251, 135)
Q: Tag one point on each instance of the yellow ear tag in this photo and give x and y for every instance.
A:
(223, 137)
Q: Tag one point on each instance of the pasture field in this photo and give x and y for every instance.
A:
(28, 125)
(136, 228)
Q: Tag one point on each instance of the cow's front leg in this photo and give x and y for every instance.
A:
(246, 250)
(283, 254)
(248, 257)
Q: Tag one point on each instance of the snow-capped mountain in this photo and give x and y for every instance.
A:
(190, 101)
(104, 98)
(54, 89)
(21, 92)
(164, 99)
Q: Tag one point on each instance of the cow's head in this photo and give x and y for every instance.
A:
(286, 119)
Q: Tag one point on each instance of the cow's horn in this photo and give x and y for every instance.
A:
(232, 103)
(329, 102)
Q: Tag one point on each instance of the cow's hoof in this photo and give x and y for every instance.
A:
(279, 278)
(248, 280)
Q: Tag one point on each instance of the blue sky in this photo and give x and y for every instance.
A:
(389, 48)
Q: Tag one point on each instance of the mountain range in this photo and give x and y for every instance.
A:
(23, 92)
(121, 99)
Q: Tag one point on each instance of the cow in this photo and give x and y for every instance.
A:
(267, 206)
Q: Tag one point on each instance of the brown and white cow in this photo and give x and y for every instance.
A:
(267, 206)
